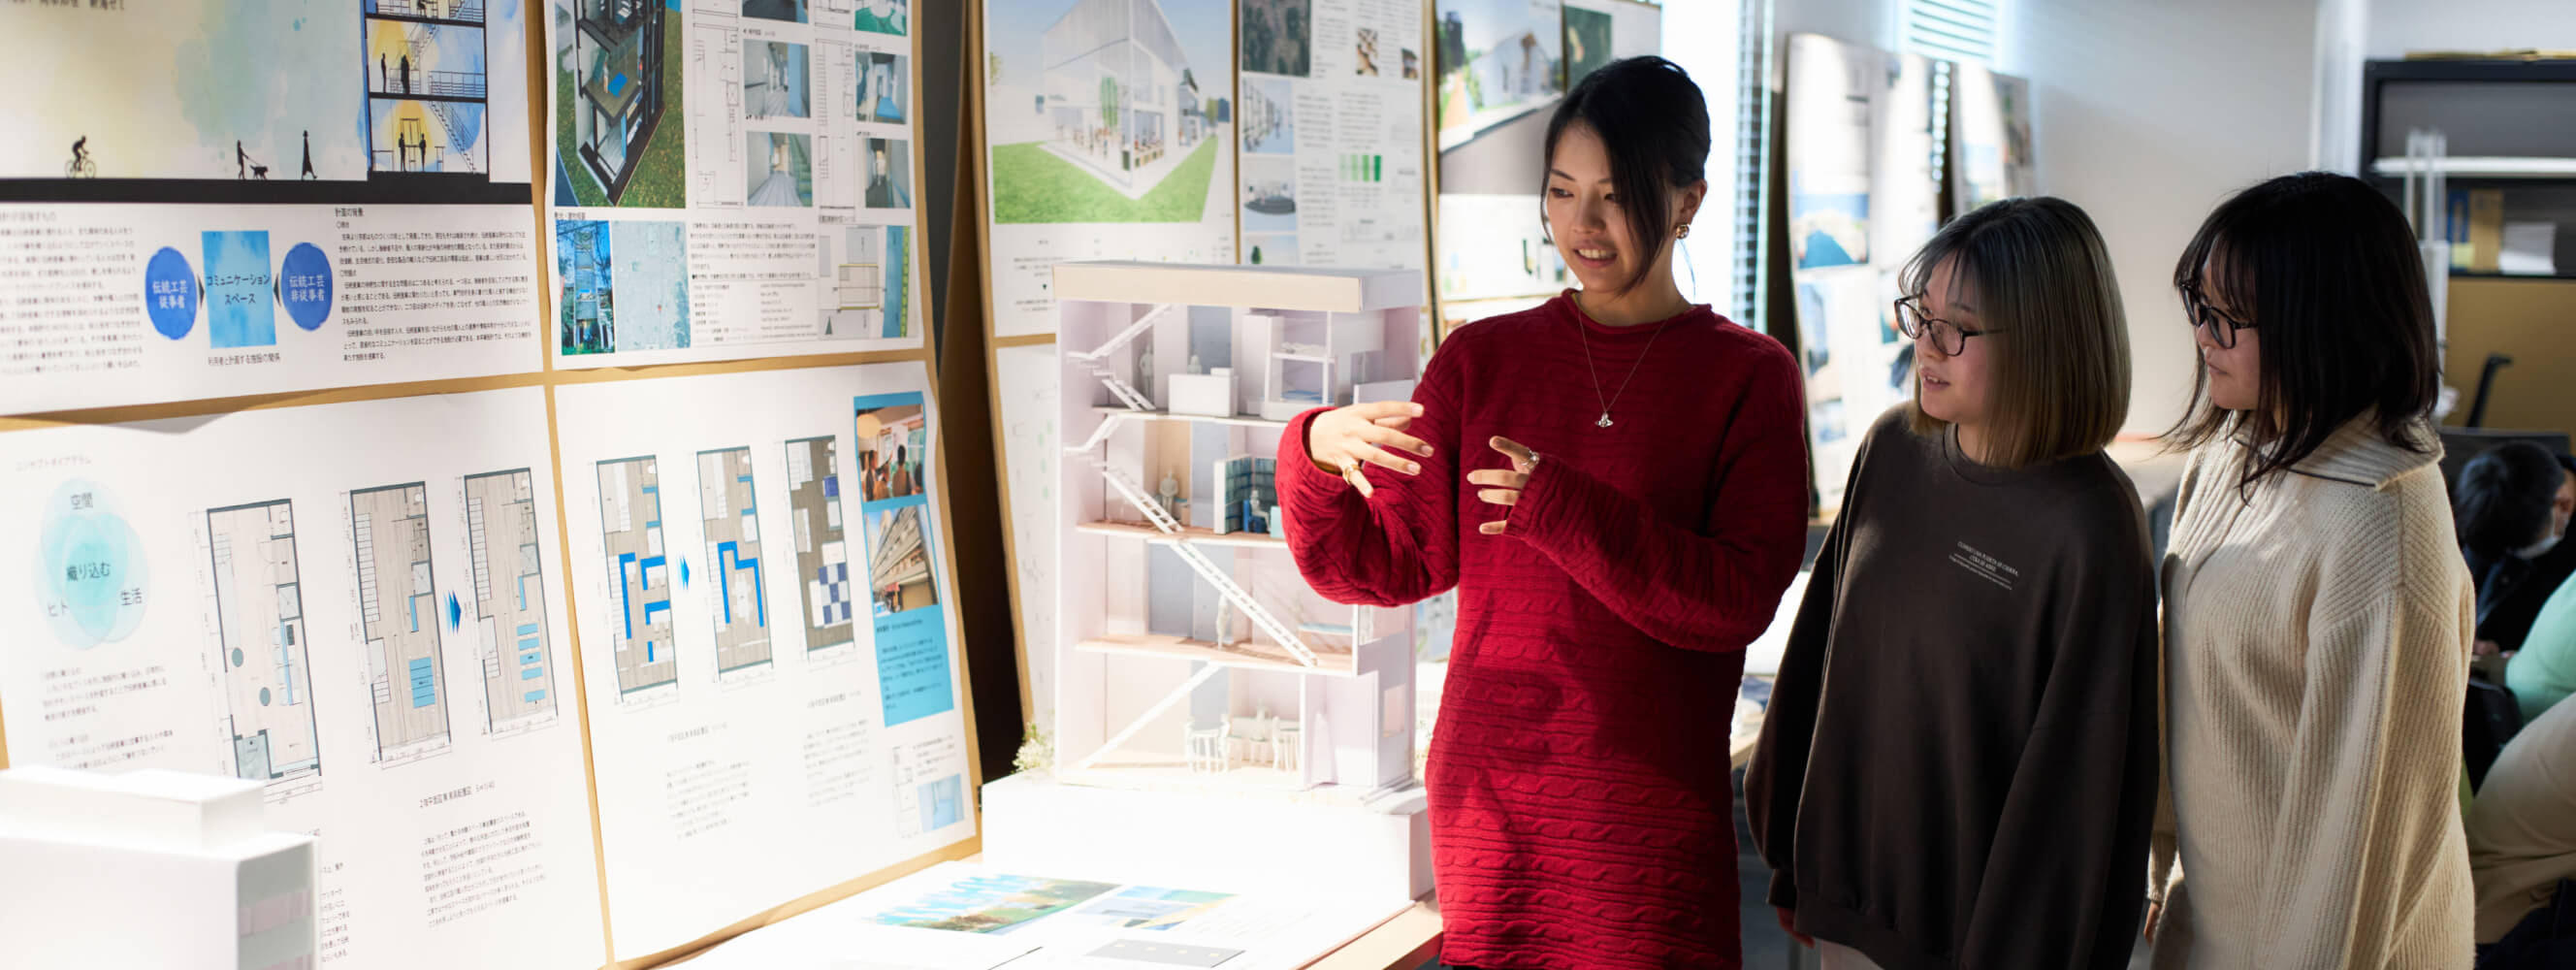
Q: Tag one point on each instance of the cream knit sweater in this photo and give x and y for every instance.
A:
(2317, 637)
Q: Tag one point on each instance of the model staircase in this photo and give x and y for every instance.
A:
(1123, 337)
(1163, 522)
(1134, 400)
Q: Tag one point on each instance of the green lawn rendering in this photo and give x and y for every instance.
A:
(1032, 186)
(661, 181)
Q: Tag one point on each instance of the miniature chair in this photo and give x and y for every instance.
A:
(1207, 747)
(1283, 745)
(1252, 732)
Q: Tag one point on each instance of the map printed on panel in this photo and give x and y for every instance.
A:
(262, 643)
(225, 197)
(509, 605)
(730, 516)
(822, 555)
(630, 509)
(399, 613)
(731, 178)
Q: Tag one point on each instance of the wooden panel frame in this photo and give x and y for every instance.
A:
(544, 374)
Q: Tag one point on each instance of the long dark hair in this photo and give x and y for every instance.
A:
(1653, 122)
(2326, 269)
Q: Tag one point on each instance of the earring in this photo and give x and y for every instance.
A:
(1683, 232)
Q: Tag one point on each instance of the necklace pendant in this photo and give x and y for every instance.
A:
(1605, 420)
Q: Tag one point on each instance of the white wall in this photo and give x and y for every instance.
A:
(2399, 26)
(1869, 23)
(2147, 113)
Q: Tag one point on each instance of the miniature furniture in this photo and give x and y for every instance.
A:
(1177, 612)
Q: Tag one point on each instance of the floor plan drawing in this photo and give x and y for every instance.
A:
(726, 505)
(822, 556)
(259, 614)
(630, 522)
(509, 597)
(398, 611)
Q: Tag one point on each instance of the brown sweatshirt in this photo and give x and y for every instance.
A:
(1958, 765)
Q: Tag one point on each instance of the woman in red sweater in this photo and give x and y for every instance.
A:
(1616, 483)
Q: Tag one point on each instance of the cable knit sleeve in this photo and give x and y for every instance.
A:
(1398, 546)
(1714, 590)
(2373, 772)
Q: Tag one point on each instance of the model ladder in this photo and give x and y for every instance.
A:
(1225, 585)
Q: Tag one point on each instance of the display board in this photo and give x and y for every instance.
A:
(348, 605)
(1330, 112)
(1503, 66)
(301, 512)
(212, 199)
(1990, 137)
(1863, 195)
(1108, 133)
(776, 703)
(1315, 112)
(732, 179)
(1501, 71)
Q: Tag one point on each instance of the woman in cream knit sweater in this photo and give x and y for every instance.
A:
(2317, 615)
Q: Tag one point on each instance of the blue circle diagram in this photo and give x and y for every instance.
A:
(304, 285)
(91, 577)
(170, 293)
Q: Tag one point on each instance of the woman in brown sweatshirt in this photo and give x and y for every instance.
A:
(1958, 765)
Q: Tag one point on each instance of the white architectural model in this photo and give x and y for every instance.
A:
(1189, 650)
(150, 868)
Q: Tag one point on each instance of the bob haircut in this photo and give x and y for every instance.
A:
(2504, 497)
(2328, 270)
(2036, 268)
(1653, 122)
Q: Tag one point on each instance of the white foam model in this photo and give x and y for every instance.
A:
(151, 868)
(1204, 694)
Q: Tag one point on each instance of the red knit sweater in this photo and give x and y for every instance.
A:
(1580, 809)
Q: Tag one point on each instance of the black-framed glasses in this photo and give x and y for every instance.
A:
(1949, 338)
(2221, 325)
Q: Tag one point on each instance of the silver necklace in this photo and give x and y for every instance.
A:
(1596, 373)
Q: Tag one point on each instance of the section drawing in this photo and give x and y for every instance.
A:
(822, 555)
(509, 597)
(398, 611)
(630, 522)
(732, 519)
(259, 617)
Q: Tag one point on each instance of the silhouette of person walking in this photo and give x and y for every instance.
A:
(308, 154)
(406, 66)
(241, 161)
(384, 78)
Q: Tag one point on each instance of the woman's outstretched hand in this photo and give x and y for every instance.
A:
(1342, 439)
(1503, 486)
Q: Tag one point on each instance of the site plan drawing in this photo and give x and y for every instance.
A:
(398, 609)
(822, 555)
(259, 613)
(509, 597)
(630, 522)
(731, 515)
